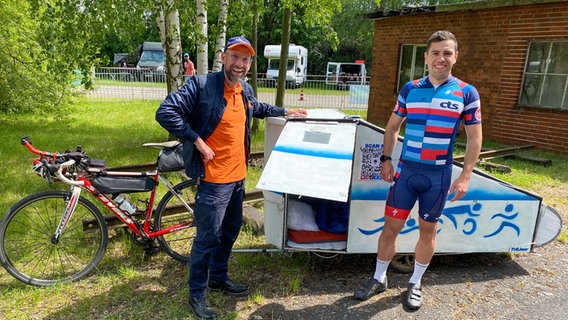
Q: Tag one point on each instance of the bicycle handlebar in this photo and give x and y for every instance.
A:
(78, 154)
(55, 163)
(60, 175)
(27, 142)
(52, 168)
(57, 169)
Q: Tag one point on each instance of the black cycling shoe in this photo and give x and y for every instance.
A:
(201, 308)
(229, 287)
(414, 296)
(370, 288)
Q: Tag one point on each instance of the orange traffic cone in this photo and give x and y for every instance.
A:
(302, 95)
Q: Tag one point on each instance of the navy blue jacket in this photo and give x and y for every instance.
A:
(196, 109)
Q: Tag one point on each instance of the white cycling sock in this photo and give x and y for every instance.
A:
(419, 270)
(381, 270)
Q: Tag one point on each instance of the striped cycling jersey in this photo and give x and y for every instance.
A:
(433, 115)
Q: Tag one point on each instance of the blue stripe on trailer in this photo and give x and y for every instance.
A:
(330, 154)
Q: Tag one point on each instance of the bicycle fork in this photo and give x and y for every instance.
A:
(69, 210)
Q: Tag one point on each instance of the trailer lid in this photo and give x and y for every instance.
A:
(312, 158)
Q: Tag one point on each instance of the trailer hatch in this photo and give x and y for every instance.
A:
(312, 159)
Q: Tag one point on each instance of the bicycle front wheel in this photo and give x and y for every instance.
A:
(172, 211)
(31, 253)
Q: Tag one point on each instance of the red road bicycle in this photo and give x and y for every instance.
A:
(59, 236)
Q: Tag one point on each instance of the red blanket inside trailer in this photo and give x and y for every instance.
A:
(315, 236)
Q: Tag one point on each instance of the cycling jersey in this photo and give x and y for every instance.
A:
(433, 115)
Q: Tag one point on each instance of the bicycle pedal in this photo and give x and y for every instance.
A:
(152, 250)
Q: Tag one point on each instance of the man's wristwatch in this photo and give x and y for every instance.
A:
(385, 158)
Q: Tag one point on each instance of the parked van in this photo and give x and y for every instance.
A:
(343, 74)
(151, 62)
(297, 65)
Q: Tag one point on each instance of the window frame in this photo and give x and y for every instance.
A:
(413, 66)
(543, 77)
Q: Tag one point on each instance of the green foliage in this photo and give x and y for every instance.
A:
(311, 27)
(355, 34)
(30, 80)
(45, 44)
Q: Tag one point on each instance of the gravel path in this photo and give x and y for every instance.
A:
(469, 286)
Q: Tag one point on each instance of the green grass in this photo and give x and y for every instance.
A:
(130, 285)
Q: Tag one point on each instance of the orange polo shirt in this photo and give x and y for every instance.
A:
(228, 141)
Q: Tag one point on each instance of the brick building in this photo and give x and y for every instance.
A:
(514, 52)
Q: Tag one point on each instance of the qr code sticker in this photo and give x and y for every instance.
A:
(370, 161)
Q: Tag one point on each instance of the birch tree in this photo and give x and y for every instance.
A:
(168, 23)
(202, 65)
(222, 34)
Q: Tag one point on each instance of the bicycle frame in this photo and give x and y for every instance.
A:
(142, 230)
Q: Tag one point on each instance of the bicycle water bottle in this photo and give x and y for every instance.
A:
(124, 204)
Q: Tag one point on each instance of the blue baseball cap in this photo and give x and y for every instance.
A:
(239, 41)
(186, 54)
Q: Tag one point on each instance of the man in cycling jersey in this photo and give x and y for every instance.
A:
(433, 108)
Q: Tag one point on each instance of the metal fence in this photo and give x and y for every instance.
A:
(314, 92)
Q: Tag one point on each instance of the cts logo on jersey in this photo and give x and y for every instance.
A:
(449, 105)
(478, 114)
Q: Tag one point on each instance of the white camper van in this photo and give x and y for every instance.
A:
(343, 74)
(297, 66)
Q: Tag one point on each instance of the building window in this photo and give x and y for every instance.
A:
(412, 64)
(545, 79)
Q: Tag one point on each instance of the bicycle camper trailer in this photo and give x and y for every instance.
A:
(323, 192)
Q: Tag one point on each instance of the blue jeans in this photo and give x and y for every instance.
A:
(218, 218)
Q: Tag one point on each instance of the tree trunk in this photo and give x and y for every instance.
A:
(286, 20)
(168, 24)
(254, 67)
(202, 43)
(221, 38)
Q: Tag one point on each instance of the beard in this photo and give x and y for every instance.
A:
(234, 76)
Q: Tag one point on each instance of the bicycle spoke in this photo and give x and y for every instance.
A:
(172, 211)
(30, 253)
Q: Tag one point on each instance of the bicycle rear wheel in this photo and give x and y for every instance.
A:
(29, 251)
(171, 211)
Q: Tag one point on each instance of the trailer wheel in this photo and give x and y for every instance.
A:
(324, 255)
(403, 263)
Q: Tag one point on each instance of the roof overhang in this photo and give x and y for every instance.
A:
(477, 5)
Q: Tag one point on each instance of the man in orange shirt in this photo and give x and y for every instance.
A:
(188, 67)
(212, 114)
